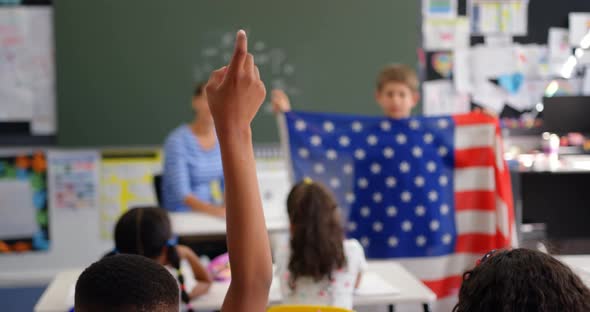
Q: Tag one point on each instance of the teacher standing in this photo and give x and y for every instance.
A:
(193, 176)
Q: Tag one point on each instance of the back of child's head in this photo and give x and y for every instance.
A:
(143, 231)
(398, 73)
(316, 232)
(147, 231)
(126, 283)
(522, 280)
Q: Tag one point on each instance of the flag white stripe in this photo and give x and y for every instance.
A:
(435, 268)
(502, 215)
(475, 179)
(471, 136)
(479, 222)
(499, 153)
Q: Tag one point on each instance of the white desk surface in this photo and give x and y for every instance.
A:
(55, 297)
(192, 223)
(580, 261)
(580, 264)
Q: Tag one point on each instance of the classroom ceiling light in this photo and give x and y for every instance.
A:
(579, 52)
(568, 67)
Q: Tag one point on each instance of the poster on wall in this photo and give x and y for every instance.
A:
(27, 68)
(445, 33)
(439, 8)
(24, 215)
(74, 179)
(498, 17)
(126, 181)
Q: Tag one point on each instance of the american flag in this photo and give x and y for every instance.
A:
(432, 192)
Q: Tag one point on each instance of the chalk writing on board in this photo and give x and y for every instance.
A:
(272, 61)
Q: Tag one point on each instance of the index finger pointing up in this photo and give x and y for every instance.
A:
(240, 53)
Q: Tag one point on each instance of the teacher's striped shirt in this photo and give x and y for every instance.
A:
(190, 169)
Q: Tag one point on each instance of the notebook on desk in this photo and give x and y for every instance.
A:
(374, 285)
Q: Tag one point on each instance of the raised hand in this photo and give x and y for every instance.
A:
(235, 92)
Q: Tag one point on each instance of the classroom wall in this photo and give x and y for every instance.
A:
(75, 243)
(125, 69)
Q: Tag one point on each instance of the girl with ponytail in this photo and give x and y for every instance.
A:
(147, 231)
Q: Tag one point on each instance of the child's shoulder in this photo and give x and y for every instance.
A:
(352, 246)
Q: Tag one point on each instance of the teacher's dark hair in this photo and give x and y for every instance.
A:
(199, 89)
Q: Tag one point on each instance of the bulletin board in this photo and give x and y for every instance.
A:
(24, 209)
(502, 55)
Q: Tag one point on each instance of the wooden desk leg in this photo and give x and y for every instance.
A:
(426, 307)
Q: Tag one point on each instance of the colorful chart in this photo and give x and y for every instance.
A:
(126, 181)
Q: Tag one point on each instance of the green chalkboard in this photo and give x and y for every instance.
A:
(125, 68)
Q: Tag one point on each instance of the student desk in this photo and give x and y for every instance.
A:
(580, 264)
(55, 298)
(198, 224)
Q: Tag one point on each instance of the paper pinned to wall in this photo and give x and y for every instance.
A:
(490, 96)
(461, 70)
(445, 33)
(126, 181)
(559, 43)
(498, 17)
(440, 98)
(27, 72)
(492, 62)
(579, 27)
(533, 60)
(439, 8)
(74, 179)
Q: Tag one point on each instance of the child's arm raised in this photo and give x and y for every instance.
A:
(235, 94)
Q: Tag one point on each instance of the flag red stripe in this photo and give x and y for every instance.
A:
(475, 200)
(475, 157)
(479, 243)
(448, 286)
(474, 119)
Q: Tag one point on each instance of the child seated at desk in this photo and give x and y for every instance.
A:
(321, 267)
(147, 232)
(126, 283)
(522, 280)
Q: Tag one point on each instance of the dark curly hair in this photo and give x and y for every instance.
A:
(522, 280)
(123, 283)
(317, 233)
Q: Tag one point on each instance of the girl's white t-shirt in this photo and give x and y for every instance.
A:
(337, 292)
